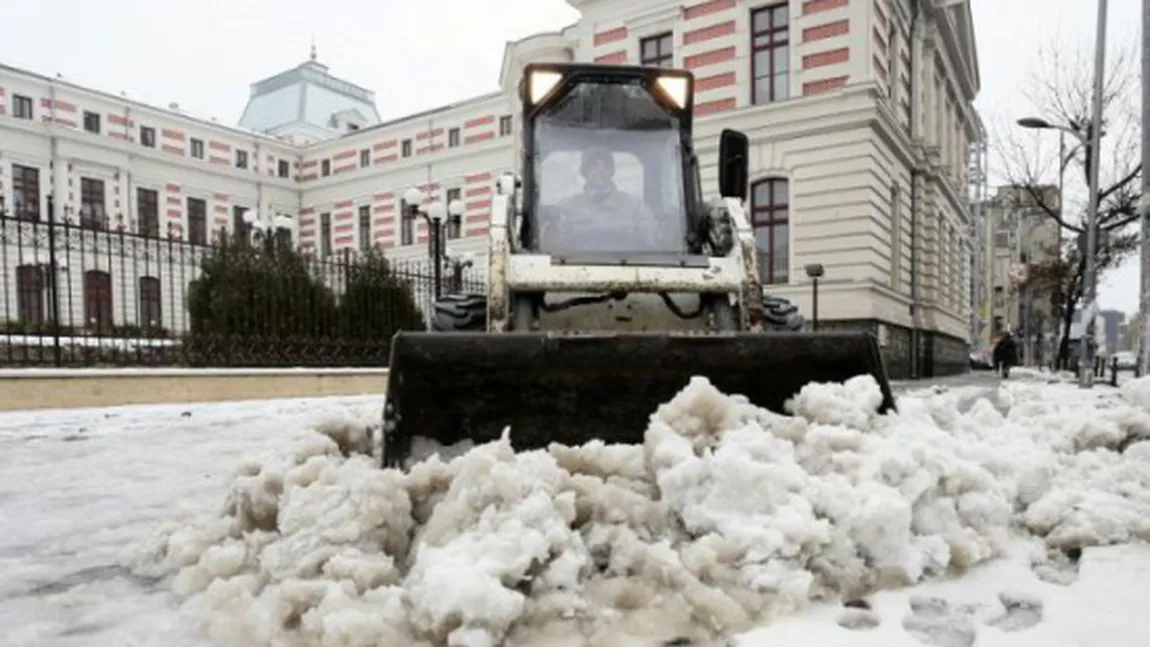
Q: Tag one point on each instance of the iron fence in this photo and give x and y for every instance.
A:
(88, 293)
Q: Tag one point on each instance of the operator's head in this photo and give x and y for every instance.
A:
(598, 168)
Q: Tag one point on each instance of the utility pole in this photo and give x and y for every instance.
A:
(1144, 294)
(1090, 294)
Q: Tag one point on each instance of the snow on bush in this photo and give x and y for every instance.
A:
(726, 516)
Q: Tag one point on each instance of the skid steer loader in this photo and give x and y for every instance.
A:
(610, 282)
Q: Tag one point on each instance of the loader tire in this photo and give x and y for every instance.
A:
(781, 314)
(459, 313)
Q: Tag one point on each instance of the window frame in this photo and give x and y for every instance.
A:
(325, 234)
(778, 38)
(89, 205)
(241, 230)
(92, 122)
(197, 220)
(766, 216)
(98, 300)
(31, 294)
(145, 217)
(23, 107)
(364, 157)
(283, 168)
(196, 148)
(30, 211)
(406, 224)
(150, 301)
(364, 226)
(454, 224)
(148, 136)
(661, 59)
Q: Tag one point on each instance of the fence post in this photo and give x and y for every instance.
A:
(53, 277)
(1113, 371)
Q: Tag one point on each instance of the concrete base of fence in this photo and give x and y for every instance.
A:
(75, 388)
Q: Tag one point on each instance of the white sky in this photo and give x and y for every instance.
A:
(418, 54)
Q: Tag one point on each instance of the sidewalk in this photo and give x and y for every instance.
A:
(973, 378)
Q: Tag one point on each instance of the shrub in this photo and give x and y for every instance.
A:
(270, 306)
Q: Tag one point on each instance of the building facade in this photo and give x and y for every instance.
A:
(1018, 237)
(859, 114)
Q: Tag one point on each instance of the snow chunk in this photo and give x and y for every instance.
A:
(726, 516)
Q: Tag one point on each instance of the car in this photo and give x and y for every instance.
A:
(981, 361)
(1127, 360)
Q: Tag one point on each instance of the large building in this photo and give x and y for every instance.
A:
(859, 114)
(1018, 236)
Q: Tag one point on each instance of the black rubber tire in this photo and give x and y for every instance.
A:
(459, 313)
(781, 314)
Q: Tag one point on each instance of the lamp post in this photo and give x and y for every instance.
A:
(815, 271)
(435, 213)
(1090, 141)
(266, 225)
(458, 263)
(1144, 251)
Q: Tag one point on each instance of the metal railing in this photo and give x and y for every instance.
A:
(84, 293)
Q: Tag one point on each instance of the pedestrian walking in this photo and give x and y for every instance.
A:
(1005, 354)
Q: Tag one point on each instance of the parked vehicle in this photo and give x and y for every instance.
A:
(980, 360)
(1127, 360)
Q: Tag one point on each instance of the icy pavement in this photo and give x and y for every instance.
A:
(963, 518)
(81, 489)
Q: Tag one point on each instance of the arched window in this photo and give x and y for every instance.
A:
(30, 288)
(770, 217)
(98, 300)
(151, 305)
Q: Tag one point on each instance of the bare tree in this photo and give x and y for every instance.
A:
(1061, 278)
(1060, 92)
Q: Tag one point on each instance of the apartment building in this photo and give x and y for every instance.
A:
(859, 114)
(1019, 235)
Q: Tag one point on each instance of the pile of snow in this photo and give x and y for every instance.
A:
(726, 517)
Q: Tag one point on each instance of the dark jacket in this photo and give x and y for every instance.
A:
(1006, 351)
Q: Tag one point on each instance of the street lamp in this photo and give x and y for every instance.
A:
(459, 263)
(815, 271)
(413, 198)
(1090, 141)
(1037, 123)
(266, 225)
(436, 214)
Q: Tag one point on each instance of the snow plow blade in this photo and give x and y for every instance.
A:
(571, 389)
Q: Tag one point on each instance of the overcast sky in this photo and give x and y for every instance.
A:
(416, 55)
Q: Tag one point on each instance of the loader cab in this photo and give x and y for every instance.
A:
(609, 169)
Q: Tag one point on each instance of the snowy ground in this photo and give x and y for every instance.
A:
(969, 516)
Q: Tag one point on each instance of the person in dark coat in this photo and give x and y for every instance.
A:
(1005, 354)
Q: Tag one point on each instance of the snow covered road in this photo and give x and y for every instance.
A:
(635, 546)
(81, 489)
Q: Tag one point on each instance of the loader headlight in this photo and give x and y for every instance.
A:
(675, 88)
(541, 83)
